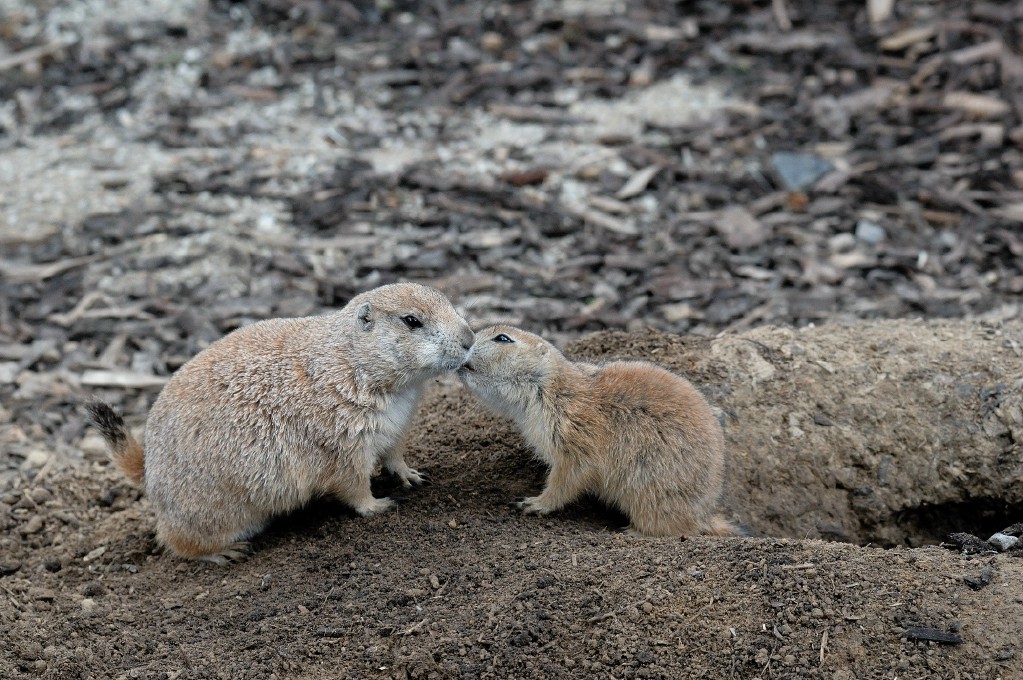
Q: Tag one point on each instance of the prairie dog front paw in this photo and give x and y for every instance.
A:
(376, 506)
(533, 505)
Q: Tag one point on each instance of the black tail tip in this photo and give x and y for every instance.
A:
(107, 420)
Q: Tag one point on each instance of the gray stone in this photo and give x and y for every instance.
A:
(1003, 541)
(870, 232)
(799, 170)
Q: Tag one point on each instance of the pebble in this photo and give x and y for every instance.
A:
(89, 605)
(1003, 541)
(36, 458)
(799, 170)
(675, 312)
(9, 371)
(740, 229)
(492, 42)
(33, 525)
(98, 552)
(870, 232)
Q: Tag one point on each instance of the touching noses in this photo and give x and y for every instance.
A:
(467, 337)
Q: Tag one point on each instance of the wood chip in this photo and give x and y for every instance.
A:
(600, 219)
(781, 15)
(30, 55)
(933, 634)
(979, 105)
(610, 205)
(16, 272)
(637, 184)
(740, 229)
(906, 38)
(98, 378)
(795, 41)
(879, 11)
(1012, 212)
(991, 135)
(535, 114)
(521, 178)
(985, 51)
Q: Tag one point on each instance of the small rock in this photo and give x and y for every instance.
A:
(799, 170)
(36, 458)
(89, 605)
(453, 524)
(7, 568)
(740, 229)
(675, 312)
(492, 42)
(434, 581)
(92, 589)
(98, 552)
(870, 232)
(1003, 541)
(329, 632)
(9, 371)
(44, 594)
(842, 243)
(33, 525)
(645, 656)
(39, 494)
(978, 582)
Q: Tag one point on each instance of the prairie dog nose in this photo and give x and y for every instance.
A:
(467, 337)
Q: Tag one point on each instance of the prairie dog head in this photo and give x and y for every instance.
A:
(509, 368)
(411, 329)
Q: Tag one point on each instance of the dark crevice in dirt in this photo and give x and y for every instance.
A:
(932, 524)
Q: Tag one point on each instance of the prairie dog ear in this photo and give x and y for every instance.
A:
(365, 316)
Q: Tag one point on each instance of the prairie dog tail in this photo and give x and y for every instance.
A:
(125, 450)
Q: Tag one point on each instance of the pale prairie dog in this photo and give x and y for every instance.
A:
(635, 435)
(278, 412)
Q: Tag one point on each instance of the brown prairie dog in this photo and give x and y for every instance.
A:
(278, 412)
(638, 437)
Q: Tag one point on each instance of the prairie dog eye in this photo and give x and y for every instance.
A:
(502, 338)
(412, 322)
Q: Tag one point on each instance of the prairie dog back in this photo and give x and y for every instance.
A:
(283, 410)
(637, 436)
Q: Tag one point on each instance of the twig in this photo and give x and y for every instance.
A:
(31, 54)
(781, 15)
(414, 628)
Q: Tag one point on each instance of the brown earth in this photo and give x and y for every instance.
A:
(457, 584)
(174, 169)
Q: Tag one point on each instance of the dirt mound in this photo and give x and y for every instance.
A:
(456, 584)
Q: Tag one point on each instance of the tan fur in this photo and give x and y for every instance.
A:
(130, 461)
(283, 410)
(637, 436)
(125, 450)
